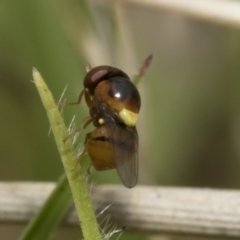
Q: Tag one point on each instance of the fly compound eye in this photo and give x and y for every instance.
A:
(93, 77)
(101, 73)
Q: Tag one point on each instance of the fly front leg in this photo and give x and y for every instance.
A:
(59, 104)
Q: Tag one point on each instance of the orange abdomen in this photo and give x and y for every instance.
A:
(100, 150)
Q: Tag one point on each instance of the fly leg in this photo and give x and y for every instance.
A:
(87, 121)
(143, 69)
(59, 104)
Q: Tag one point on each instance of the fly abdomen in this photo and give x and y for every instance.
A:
(99, 149)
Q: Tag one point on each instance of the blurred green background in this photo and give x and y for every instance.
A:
(189, 125)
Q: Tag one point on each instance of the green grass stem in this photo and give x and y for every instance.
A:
(76, 178)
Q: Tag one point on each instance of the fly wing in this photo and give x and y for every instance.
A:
(124, 143)
(125, 147)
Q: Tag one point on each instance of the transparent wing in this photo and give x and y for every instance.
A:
(125, 147)
(124, 142)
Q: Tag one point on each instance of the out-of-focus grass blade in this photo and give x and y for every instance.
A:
(43, 224)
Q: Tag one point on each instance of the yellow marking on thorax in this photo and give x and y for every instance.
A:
(128, 117)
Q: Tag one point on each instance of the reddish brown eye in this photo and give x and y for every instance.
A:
(100, 73)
